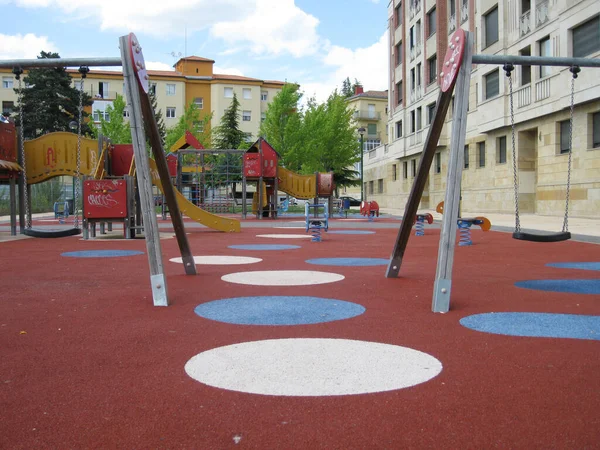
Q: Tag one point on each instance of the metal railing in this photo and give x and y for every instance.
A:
(452, 23)
(541, 13)
(366, 114)
(525, 23)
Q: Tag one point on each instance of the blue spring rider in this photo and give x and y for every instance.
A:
(317, 219)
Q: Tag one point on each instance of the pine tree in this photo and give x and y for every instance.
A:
(228, 133)
(50, 101)
(347, 90)
(162, 129)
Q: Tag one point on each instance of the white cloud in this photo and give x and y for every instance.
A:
(26, 46)
(368, 65)
(156, 65)
(227, 71)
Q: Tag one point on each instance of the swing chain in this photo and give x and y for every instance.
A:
(508, 68)
(83, 70)
(574, 70)
(18, 72)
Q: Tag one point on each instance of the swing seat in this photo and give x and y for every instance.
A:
(550, 237)
(51, 233)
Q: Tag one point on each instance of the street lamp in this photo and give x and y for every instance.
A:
(361, 131)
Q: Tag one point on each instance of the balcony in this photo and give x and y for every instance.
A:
(542, 89)
(105, 95)
(464, 13)
(452, 24)
(373, 135)
(523, 96)
(525, 23)
(418, 48)
(414, 8)
(541, 13)
(366, 114)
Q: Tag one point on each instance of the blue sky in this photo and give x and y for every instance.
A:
(317, 43)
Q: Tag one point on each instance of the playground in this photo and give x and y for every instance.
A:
(281, 342)
(279, 330)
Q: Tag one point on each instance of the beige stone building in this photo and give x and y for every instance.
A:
(370, 115)
(419, 31)
(192, 81)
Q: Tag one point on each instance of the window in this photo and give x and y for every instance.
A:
(7, 82)
(371, 144)
(481, 154)
(380, 186)
(431, 15)
(413, 79)
(419, 118)
(394, 172)
(419, 76)
(371, 187)
(418, 31)
(432, 63)
(170, 112)
(399, 95)
(228, 92)
(545, 50)
(399, 129)
(405, 169)
(452, 7)
(8, 108)
(246, 116)
(199, 126)
(151, 89)
(430, 112)
(525, 70)
(199, 101)
(564, 136)
(247, 93)
(170, 89)
(263, 116)
(264, 95)
(490, 21)
(126, 112)
(586, 38)
(438, 162)
(412, 38)
(413, 123)
(492, 84)
(595, 129)
(525, 6)
(502, 150)
(466, 157)
(413, 163)
(398, 15)
(372, 129)
(99, 111)
(102, 89)
(398, 53)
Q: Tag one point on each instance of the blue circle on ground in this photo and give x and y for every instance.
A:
(351, 232)
(101, 253)
(570, 286)
(576, 265)
(278, 310)
(349, 261)
(264, 247)
(536, 325)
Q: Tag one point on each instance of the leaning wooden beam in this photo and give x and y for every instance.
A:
(447, 79)
(443, 277)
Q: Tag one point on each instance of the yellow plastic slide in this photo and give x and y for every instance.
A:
(193, 212)
(296, 185)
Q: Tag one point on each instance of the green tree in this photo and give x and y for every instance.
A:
(347, 90)
(50, 101)
(282, 126)
(192, 122)
(115, 128)
(330, 142)
(228, 133)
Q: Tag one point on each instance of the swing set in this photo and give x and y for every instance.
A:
(456, 72)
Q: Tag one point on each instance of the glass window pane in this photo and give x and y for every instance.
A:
(586, 38)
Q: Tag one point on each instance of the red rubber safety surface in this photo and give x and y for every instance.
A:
(88, 362)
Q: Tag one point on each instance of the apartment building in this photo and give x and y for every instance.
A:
(192, 81)
(370, 115)
(419, 31)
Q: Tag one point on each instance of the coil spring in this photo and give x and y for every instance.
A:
(315, 232)
(420, 226)
(465, 233)
(371, 217)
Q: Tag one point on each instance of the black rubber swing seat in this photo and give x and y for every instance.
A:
(551, 237)
(51, 233)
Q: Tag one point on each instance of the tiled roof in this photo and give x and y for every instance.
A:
(371, 94)
(196, 58)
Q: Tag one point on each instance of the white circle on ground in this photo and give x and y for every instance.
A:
(282, 277)
(312, 367)
(219, 260)
(285, 236)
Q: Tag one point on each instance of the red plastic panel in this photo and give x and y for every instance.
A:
(120, 159)
(252, 166)
(270, 159)
(172, 164)
(104, 199)
(326, 185)
(8, 142)
(453, 59)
